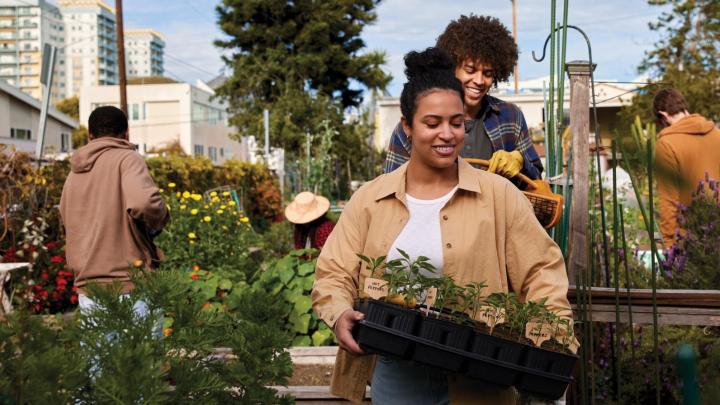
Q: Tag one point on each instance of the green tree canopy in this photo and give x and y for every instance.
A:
(686, 57)
(305, 61)
(312, 45)
(71, 107)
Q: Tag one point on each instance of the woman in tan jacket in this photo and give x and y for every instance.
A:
(473, 225)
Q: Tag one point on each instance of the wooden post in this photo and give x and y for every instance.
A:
(579, 74)
(120, 32)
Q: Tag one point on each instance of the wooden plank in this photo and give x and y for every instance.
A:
(667, 315)
(312, 392)
(665, 297)
(579, 74)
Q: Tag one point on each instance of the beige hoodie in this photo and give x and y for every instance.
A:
(685, 153)
(110, 206)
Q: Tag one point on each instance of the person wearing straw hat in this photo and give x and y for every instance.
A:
(312, 228)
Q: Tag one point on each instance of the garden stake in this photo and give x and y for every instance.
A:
(629, 299)
(654, 274)
(561, 86)
(616, 280)
(686, 369)
(638, 197)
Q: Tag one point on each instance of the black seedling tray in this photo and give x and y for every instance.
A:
(445, 334)
(547, 368)
(391, 316)
(394, 331)
(497, 349)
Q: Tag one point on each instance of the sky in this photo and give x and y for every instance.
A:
(618, 32)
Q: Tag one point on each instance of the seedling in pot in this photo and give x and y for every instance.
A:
(471, 298)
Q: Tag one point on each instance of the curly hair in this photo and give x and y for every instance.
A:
(481, 38)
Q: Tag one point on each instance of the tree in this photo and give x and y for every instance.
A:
(71, 107)
(303, 61)
(685, 57)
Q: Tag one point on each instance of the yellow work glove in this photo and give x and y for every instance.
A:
(506, 164)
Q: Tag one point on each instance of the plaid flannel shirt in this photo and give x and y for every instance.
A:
(505, 126)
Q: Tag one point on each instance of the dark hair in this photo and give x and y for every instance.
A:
(425, 71)
(107, 121)
(670, 101)
(481, 38)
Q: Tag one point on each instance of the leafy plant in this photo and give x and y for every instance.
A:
(290, 280)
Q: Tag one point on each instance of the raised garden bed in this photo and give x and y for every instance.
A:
(409, 334)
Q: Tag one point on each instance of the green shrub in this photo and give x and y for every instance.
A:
(256, 185)
(289, 281)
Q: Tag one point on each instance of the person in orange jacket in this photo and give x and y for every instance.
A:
(687, 151)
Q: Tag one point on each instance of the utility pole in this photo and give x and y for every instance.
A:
(46, 78)
(515, 37)
(121, 55)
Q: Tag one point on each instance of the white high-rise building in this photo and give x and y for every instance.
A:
(144, 50)
(25, 26)
(91, 54)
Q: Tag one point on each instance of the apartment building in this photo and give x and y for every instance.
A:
(91, 51)
(168, 114)
(144, 52)
(25, 26)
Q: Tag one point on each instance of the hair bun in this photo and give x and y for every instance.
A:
(427, 61)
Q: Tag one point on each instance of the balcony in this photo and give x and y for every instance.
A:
(9, 49)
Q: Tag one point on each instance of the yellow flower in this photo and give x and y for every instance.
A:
(244, 219)
(207, 219)
(171, 185)
(161, 190)
(231, 203)
(186, 194)
(192, 235)
(226, 193)
(182, 207)
(207, 206)
(215, 199)
(213, 194)
(223, 207)
(194, 211)
(196, 197)
(220, 212)
(177, 194)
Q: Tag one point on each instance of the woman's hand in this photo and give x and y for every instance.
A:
(343, 330)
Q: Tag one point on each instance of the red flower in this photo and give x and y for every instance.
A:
(73, 298)
(74, 289)
(60, 287)
(37, 308)
(194, 276)
(51, 245)
(61, 282)
(44, 276)
(57, 259)
(56, 295)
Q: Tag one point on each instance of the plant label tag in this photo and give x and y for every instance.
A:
(430, 297)
(538, 333)
(491, 316)
(375, 288)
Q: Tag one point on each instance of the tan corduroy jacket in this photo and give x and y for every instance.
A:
(489, 233)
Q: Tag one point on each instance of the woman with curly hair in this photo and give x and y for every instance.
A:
(484, 53)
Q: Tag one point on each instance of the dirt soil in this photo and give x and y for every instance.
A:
(311, 374)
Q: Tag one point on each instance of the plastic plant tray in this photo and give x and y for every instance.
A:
(403, 333)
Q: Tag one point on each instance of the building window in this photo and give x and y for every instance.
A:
(222, 152)
(199, 150)
(19, 133)
(64, 142)
(212, 153)
(134, 112)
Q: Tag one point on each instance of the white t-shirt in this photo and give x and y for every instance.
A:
(421, 235)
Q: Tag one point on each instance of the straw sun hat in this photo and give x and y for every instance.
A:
(306, 207)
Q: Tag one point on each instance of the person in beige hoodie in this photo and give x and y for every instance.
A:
(687, 151)
(110, 207)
